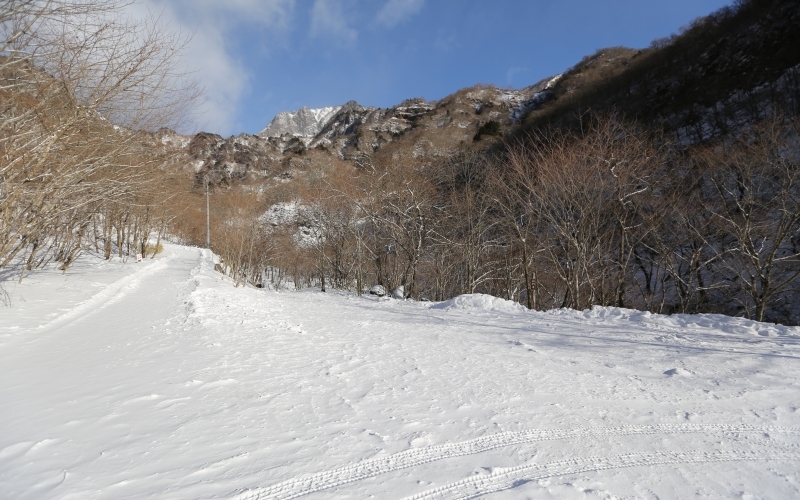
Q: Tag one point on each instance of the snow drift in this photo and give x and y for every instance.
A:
(481, 302)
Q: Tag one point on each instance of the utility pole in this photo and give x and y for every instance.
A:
(208, 216)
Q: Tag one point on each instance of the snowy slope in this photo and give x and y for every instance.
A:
(160, 379)
(304, 122)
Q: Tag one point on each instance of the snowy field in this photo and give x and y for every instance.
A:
(162, 380)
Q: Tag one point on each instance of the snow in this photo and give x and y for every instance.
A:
(718, 322)
(282, 213)
(481, 302)
(304, 122)
(175, 139)
(161, 379)
(306, 234)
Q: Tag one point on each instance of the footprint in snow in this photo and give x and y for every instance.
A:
(677, 371)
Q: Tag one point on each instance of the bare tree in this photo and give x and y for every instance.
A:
(466, 224)
(756, 201)
(81, 86)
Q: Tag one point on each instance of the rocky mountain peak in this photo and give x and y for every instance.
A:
(305, 122)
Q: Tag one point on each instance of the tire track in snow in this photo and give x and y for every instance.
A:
(108, 295)
(304, 485)
(508, 478)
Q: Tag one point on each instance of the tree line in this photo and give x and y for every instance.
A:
(610, 213)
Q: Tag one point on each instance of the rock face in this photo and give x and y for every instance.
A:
(414, 128)
(294, 142)
(305, 122)
(353, 129)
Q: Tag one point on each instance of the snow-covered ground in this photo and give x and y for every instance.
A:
(161, 380)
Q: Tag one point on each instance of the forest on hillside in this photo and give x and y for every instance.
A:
(613, 214)
(623, 191)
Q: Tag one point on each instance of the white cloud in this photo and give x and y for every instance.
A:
(274, 14)
(328, 19)
(225, 78)
(396, 11)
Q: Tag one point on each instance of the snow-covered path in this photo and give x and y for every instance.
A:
(162, 380)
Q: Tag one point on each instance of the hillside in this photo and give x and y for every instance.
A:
(723, 71)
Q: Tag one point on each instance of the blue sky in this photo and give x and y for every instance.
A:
(259, 57)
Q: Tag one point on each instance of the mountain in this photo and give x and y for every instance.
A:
(716, 76)
(304, 122)
(414, 128)
(722, 73)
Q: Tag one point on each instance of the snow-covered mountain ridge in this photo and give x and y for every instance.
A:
(415, 127)
(304, 122)
(322, 125)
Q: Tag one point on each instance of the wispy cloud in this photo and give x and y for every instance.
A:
(225, 77)
(394, 12)
(328, 19)
(275, 14)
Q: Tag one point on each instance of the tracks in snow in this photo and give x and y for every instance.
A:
(504, 479)
(108, 295)
(304, 485)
